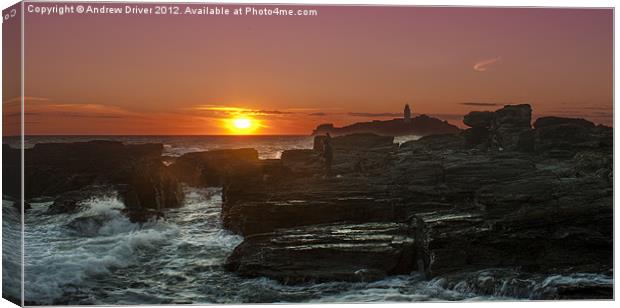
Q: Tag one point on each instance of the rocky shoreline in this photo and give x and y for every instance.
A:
(501, 194)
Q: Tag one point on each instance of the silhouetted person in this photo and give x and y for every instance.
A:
(497, 141)
(359, 166)
(328, 153)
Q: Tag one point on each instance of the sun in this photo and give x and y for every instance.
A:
(242, 125)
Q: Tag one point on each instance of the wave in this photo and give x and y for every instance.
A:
(56, 258)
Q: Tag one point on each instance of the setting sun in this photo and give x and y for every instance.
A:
(242, 123)
(241, 126)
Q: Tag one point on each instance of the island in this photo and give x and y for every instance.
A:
(421, 125)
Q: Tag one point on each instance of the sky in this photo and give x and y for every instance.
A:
(190, 75)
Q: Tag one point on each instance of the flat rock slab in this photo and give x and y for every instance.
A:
(332, 252)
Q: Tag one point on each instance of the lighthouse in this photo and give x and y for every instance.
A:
(407, 114)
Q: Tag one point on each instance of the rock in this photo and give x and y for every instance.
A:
(337, 252)
(359, 142)
(431, 143)
(307, 201)
(526, 141)
(468, 173)
(303, 162)
(565, 140)
(87, 225)
(479, 119)
(212, 168)
(505, 129)
(53, 168)
(357, 153)
(508, 124)
(143, 215)
(70, 202)
(477, 136)
(150, 185)
(514, 116)
(588, 162)
(75, 172)
(554, 121)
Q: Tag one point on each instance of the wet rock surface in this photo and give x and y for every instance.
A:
(365, 252)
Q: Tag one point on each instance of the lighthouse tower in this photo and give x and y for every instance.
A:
(407, 114)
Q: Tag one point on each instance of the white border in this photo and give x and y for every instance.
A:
(497, 3)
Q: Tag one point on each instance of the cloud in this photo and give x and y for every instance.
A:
(77, 110)
(374, 115)
(266, 112)
(483, 65)
(479, 104)
(215, 111)
(318, 114)
(78, 115)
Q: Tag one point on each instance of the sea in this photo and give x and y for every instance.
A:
(179, 260)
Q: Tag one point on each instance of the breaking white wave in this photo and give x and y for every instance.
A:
(402, 139)
(56, 258)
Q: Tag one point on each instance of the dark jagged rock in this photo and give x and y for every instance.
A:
(212, 168)
(512, 117)
(79, 171)
(479, 119)
(502, 129)
(150, 185)
(421, 125)
(509, 123)
(477, 136)
(597, 163)
(509, 129)
(355, 142)
(303, 161)
(443, 142)
(563, 139)
(554, 121)
(54, 168)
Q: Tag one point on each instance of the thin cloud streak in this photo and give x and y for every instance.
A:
(227, 111)
(483, 65)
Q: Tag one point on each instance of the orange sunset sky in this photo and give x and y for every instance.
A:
(153, 75)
